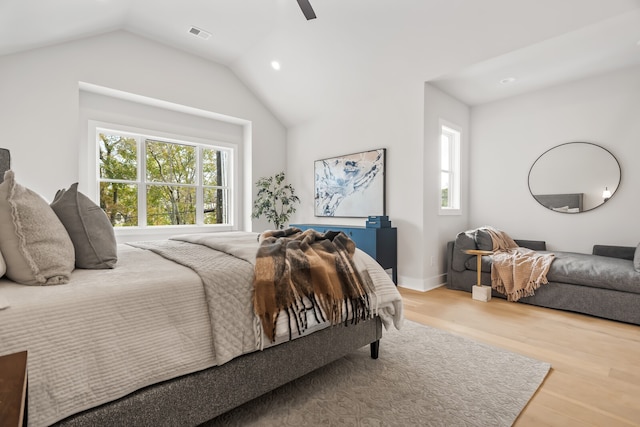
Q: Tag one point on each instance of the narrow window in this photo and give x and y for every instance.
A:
(449, 169)
(146, 181)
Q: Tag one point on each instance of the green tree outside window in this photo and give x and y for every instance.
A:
(175, 177)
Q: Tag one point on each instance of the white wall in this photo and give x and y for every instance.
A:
(391, 118)
(508, 136)
(439, 229)
(404, 119)
(39, 102)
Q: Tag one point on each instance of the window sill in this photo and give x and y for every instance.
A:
(132, 234)
(449, 212)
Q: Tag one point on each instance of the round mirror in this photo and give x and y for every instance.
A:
(574, 177)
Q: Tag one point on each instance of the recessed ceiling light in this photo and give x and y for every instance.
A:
(507, 80)
(199, 32)
(275, 65)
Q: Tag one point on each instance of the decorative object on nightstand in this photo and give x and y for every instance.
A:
(13, 389)
(381, 221)
(479, 292)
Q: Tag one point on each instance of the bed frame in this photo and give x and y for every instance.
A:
(193, 399)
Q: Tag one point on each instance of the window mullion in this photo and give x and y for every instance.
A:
(452, 172)
(452, 190)
(142, 182)
(199, 187)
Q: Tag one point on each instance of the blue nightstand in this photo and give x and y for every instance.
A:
(380, 243)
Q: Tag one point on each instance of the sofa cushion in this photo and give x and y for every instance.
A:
(594, 271)
(534, 245)
(636, 259)
(484, 242)
(622, 252)
(89, 228)
(472, 263)
(464, 240)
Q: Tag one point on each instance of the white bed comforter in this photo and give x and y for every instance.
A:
(110, 332)
(385, 299)
(106, 333)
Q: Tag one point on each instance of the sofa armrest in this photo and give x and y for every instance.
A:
(622, 252)
(534, 245)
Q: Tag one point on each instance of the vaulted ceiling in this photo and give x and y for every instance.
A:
(356, 47)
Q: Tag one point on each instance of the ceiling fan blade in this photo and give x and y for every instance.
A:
(307, 9)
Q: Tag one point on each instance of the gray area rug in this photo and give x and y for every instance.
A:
(424, 377)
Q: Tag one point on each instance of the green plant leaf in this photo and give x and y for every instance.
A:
(274, 200)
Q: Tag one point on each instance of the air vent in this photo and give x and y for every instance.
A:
(199, 33)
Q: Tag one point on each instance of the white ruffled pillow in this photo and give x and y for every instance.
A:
(636, 259)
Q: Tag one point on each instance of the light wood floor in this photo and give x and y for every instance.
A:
(595, 375)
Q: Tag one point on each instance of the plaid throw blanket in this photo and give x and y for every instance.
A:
(299, 271)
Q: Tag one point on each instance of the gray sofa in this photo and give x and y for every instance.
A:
(605, 283)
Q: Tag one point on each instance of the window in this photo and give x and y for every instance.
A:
(449, 169)
(147, 181)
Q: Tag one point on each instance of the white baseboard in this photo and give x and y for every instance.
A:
(423, 285)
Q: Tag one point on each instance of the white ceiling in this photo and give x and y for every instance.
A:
(356, 47)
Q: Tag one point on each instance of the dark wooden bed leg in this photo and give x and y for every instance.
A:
(375, 348)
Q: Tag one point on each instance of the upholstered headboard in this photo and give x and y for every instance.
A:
(553, 201)
(5, 162)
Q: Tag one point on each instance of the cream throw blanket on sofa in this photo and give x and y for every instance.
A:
(515, 271)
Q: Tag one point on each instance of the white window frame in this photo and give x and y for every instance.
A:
(454, 133)
(142, 229)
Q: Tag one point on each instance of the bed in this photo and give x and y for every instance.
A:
(169, 336)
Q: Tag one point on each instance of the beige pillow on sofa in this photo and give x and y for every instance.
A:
(89, 227)
(33, 241)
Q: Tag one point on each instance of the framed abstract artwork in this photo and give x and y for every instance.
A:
(351, 186)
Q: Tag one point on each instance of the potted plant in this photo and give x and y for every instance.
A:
(275, 200)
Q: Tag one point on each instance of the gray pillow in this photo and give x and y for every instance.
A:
(636, 259)
(89, 228)
(464, 241)
(35, 245)
(483, 240)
